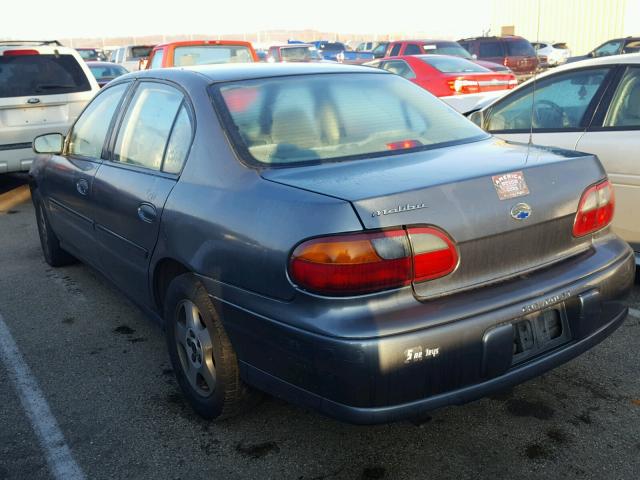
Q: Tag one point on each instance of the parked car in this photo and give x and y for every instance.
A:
(104, 72)
(459, 82)
(294, 52)
(201, 52)
(554, 53)
(89, 54)
(513, 52)
(617, 46)
(131, 56)
(437, 47)
(43, 87)
(333, 235)
(338, 52)
(592, 106)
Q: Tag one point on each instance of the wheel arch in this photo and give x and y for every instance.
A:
(164, 272)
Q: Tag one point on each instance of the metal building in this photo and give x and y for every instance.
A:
(583, 24)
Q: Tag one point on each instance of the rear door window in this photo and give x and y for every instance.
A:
(491, 49)
(26, 75)
(90, 130)
(624, 110)
(146, 126)
(399, 67)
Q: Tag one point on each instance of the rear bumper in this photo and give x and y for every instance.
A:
(358, 376)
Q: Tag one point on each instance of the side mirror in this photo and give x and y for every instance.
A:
(49, 143)
(477, 117)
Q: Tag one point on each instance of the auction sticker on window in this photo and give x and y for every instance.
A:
(510, 185)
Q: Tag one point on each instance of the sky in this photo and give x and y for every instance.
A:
(37, 19)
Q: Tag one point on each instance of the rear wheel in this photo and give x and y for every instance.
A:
(202, 356)
(54, 255)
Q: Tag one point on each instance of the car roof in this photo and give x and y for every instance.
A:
(249, 71)
(424, 40)
(480, 39)
(184, 43)
(608, 60)
(98, 63)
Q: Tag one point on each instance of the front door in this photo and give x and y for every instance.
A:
(69, 185)
(130, 189)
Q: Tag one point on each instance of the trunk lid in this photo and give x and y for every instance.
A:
(453, 188)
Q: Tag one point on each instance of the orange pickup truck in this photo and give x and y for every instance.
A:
(201, 52)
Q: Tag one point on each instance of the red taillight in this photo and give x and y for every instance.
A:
(19, 53)
(595, 210)
(461, 86)
(369, 262)
(404, 144)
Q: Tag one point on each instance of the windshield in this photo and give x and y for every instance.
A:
(316, 118)
(447, 64)
(446, 48)
(24, 75)
(210, 54)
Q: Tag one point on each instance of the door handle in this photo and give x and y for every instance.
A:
(82, 186)
(147, 213)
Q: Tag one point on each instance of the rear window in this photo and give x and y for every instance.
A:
(490, 49)
(139, 52)
(103, 72)
(561, 46)
(209, 54)
(446, 48)
(88, 54)
(446, 64)
(41, 75)
(285, 121)
(520, 48)
(295, 54)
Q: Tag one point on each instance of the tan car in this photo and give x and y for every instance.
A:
(591, 106)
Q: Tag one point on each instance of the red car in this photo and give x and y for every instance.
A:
(201, 52)
(446, 75)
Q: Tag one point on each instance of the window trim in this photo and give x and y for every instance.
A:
(113, 134)
(243, 155)
(116, 114)
(587, 117)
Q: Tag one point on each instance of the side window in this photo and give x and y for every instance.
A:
(491, 49)
(145, 129)
(560, 103)
(395, 50)
(380, 50)
(90, 130)
(156, 61)
(624, 110)
(179, 142)
(412, 49)
(609, 48)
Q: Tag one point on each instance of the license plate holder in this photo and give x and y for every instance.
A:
(540, 332)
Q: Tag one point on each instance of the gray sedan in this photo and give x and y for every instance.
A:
(332, 235)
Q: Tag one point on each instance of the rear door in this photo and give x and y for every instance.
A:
(39, 93)
(130, 190)
(560, 108)
(615, 137)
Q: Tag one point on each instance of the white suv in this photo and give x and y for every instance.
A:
(43, 88)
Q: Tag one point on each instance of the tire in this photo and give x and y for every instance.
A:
(54, 255)
(203, 359)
